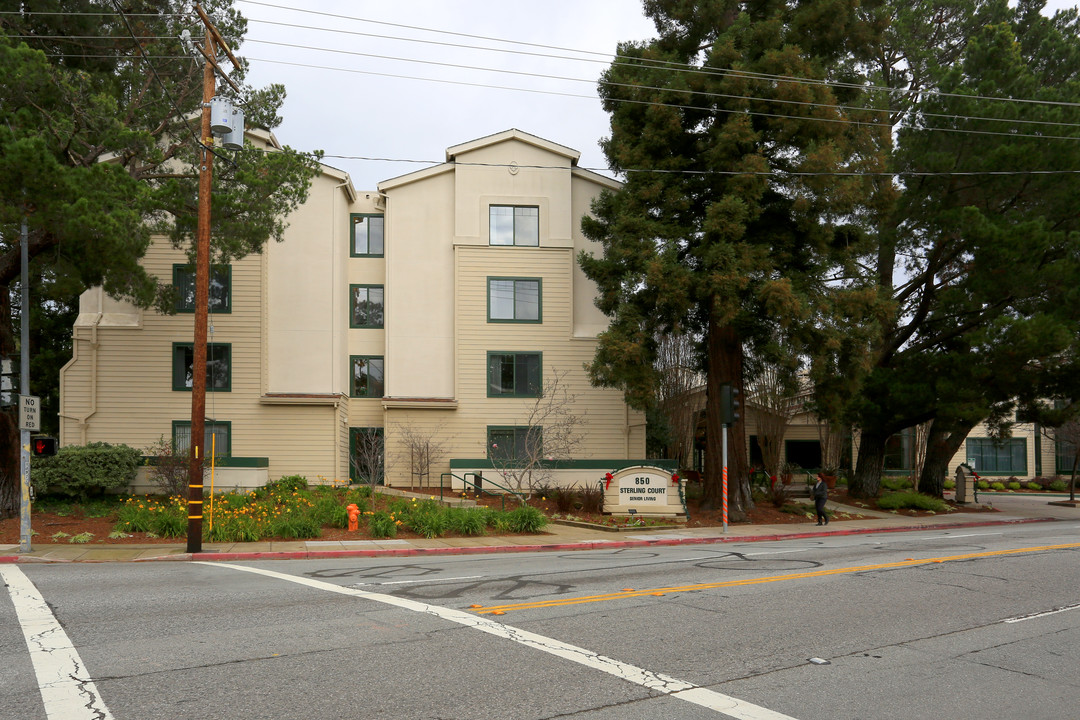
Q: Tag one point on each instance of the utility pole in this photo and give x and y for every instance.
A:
(213, 43)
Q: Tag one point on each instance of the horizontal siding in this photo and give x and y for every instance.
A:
(136, 404)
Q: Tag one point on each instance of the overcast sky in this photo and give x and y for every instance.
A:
(337, 102)
(336, 58)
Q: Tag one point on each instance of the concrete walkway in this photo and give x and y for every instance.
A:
(1011, 509)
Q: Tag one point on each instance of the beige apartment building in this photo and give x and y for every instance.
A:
(437, 306)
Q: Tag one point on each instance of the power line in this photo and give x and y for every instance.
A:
(571, 79)
(803, 103)
(770, 173)
(646, 102)
(172, 102)
(701, 93)
(659, 64)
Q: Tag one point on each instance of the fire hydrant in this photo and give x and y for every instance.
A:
(354, 517)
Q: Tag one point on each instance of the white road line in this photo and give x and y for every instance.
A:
(1032, 616)
(429, 580)
(730, 706)
(66, 688)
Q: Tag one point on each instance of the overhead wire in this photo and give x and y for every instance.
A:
(739, 111)
(683, 67)
(566, 94)
(924, 114)
(699, 93)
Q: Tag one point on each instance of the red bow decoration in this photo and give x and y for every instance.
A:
(675, 478)
(607, 480)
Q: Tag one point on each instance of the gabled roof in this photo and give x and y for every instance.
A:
(452, 154)
(513, 134)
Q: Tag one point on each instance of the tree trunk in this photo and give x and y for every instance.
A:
(725, 360)
(10, 477)
(941, 445)
(866, 482)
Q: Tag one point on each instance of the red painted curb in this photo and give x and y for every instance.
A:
(587, 545)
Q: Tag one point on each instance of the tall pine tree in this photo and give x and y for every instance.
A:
(727, 223)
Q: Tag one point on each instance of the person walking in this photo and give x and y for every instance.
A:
(820, 493)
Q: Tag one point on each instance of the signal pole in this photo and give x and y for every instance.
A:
(213, 43)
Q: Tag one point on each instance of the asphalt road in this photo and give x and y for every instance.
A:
(983, 623)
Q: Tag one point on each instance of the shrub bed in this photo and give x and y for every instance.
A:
(288, 508)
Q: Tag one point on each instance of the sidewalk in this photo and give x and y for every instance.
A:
(1012, 508)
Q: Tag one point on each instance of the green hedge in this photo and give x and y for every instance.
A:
(84, 471)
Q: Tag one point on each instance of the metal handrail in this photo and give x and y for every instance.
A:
(479, 487)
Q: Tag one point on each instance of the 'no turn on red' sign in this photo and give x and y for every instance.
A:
(29, 412)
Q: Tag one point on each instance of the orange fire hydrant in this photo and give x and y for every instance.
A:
(354, 517)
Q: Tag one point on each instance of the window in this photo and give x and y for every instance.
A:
(514, 225)
(367, 455)
(514, 443)
(367, 235)
(220, 288)
(366, 306)
(216, 434)
(1065, 455)
(1007, 457)
(900, 451)
(514, 300)
(367, 377)
(218, 366)
(513, 374)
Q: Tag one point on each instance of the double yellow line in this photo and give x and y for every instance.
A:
(630, 593)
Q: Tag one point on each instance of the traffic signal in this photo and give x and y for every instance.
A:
(729, 404)
(42, 446)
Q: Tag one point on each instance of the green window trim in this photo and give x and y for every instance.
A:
(367, 234)
(997, 458)
(514, 225)
(209, 427)
(218, 366)
(507, 443)
(515, 300)
(370, 315)
(369, 384)
(220, 288)
(354, 437)
(514, 374)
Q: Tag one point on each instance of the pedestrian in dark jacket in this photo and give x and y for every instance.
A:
(820, 494)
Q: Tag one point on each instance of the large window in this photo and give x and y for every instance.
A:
(366, 306)
(513, 374)
(514, 300)
(220, 288)
(217, 435)
(514, 443)
(367, 235)
(1006, 457)
(367, 377)
(367, 463)
(218, 366)
(514, 225)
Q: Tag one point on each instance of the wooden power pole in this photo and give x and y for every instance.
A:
(214, 42)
